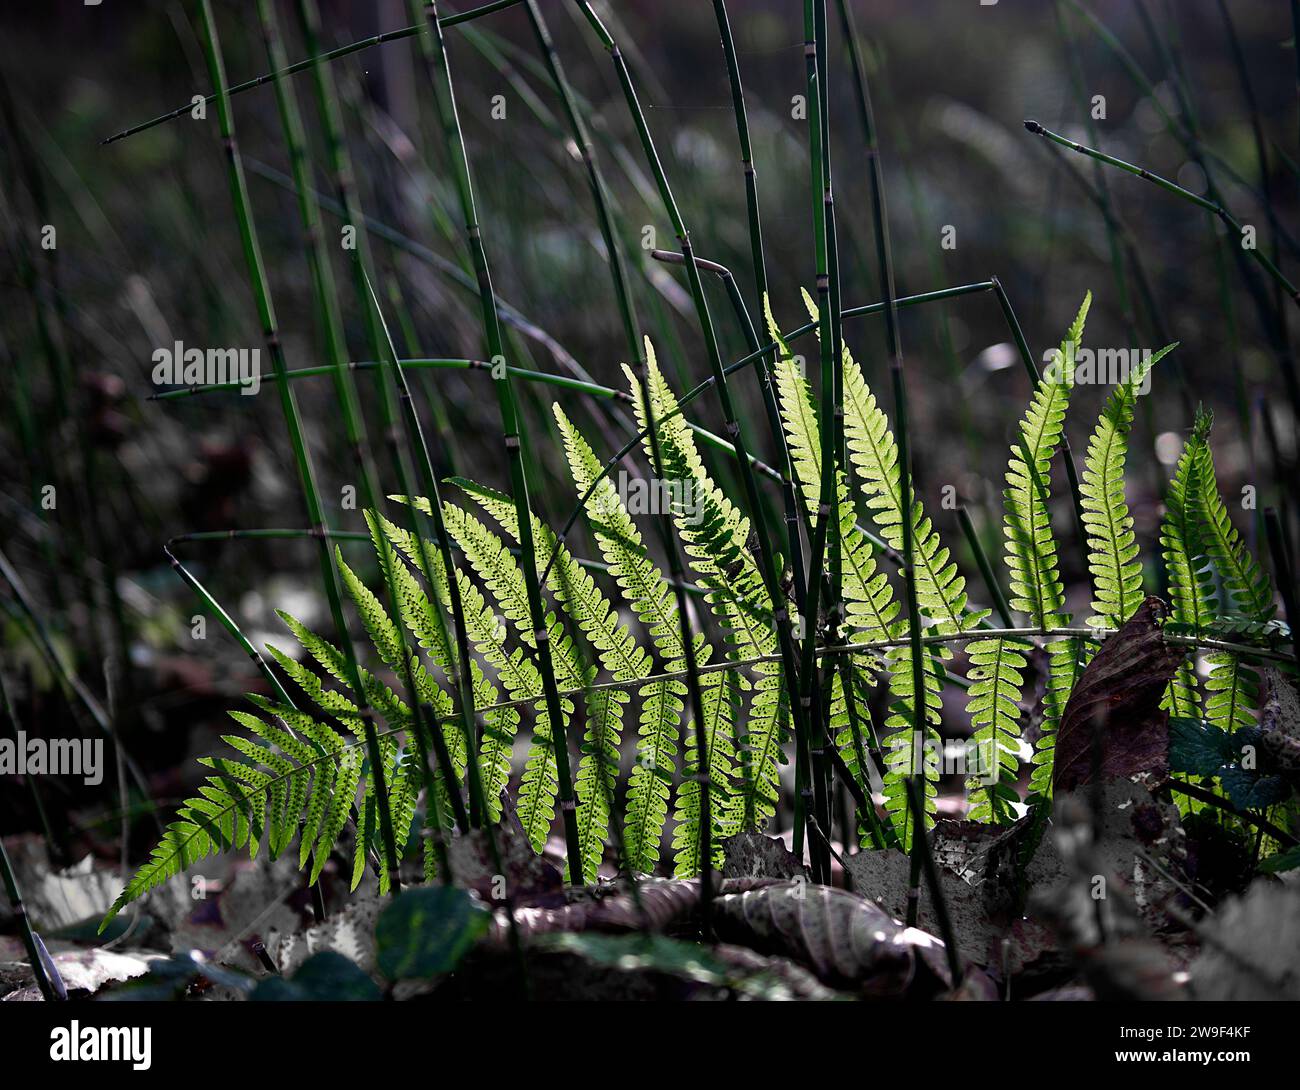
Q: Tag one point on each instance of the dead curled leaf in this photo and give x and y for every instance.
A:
(653, 905)
(847, 941)
(1117, 700)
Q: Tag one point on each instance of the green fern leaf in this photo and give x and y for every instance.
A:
(1112, 547)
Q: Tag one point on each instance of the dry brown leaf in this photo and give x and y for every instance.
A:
(1118, 700)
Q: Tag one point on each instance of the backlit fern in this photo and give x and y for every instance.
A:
(615, 644)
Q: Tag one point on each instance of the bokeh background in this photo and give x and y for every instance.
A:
(148, 254)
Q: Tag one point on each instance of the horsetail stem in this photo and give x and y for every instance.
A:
(293, 421)
(663, 522)
(1218, 209)
(444, 95)
(766, 560)
(885, 273)
(299, 66)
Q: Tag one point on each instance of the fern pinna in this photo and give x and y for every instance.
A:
(302, 770)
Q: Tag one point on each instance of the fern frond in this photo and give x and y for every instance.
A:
(1232, 687)
(500, 725)
(247, 804)
(997, 672)
(499, 570)
(873, 452)
(1193, 598)
(1031, 554)
(618, 651)
(1247, 584)
(1112, 547)
(715, 539)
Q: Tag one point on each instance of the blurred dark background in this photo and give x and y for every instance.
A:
(148, 254)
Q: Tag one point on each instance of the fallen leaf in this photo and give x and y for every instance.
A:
(846, 940)
(1119, 697)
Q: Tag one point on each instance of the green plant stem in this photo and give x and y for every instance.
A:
(444, 95)
(795, 513)
(753, 505)
(885, 272)
(668, 541)
(746, 152)
(392, 381)
(331, 325)
(332, 55)
(1233, 225)
(640, 370)
(1094, 635)
(449, 270)
(289, 408)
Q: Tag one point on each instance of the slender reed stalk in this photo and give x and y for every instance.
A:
(289, 408)
(332, 55)
(330, 321)
(440, 76)
(754, 508)
(885, 273)
(1090, 635)
(795, 513)
(623, 295)
(1218, 209)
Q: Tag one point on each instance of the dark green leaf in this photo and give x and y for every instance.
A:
(427, 931)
